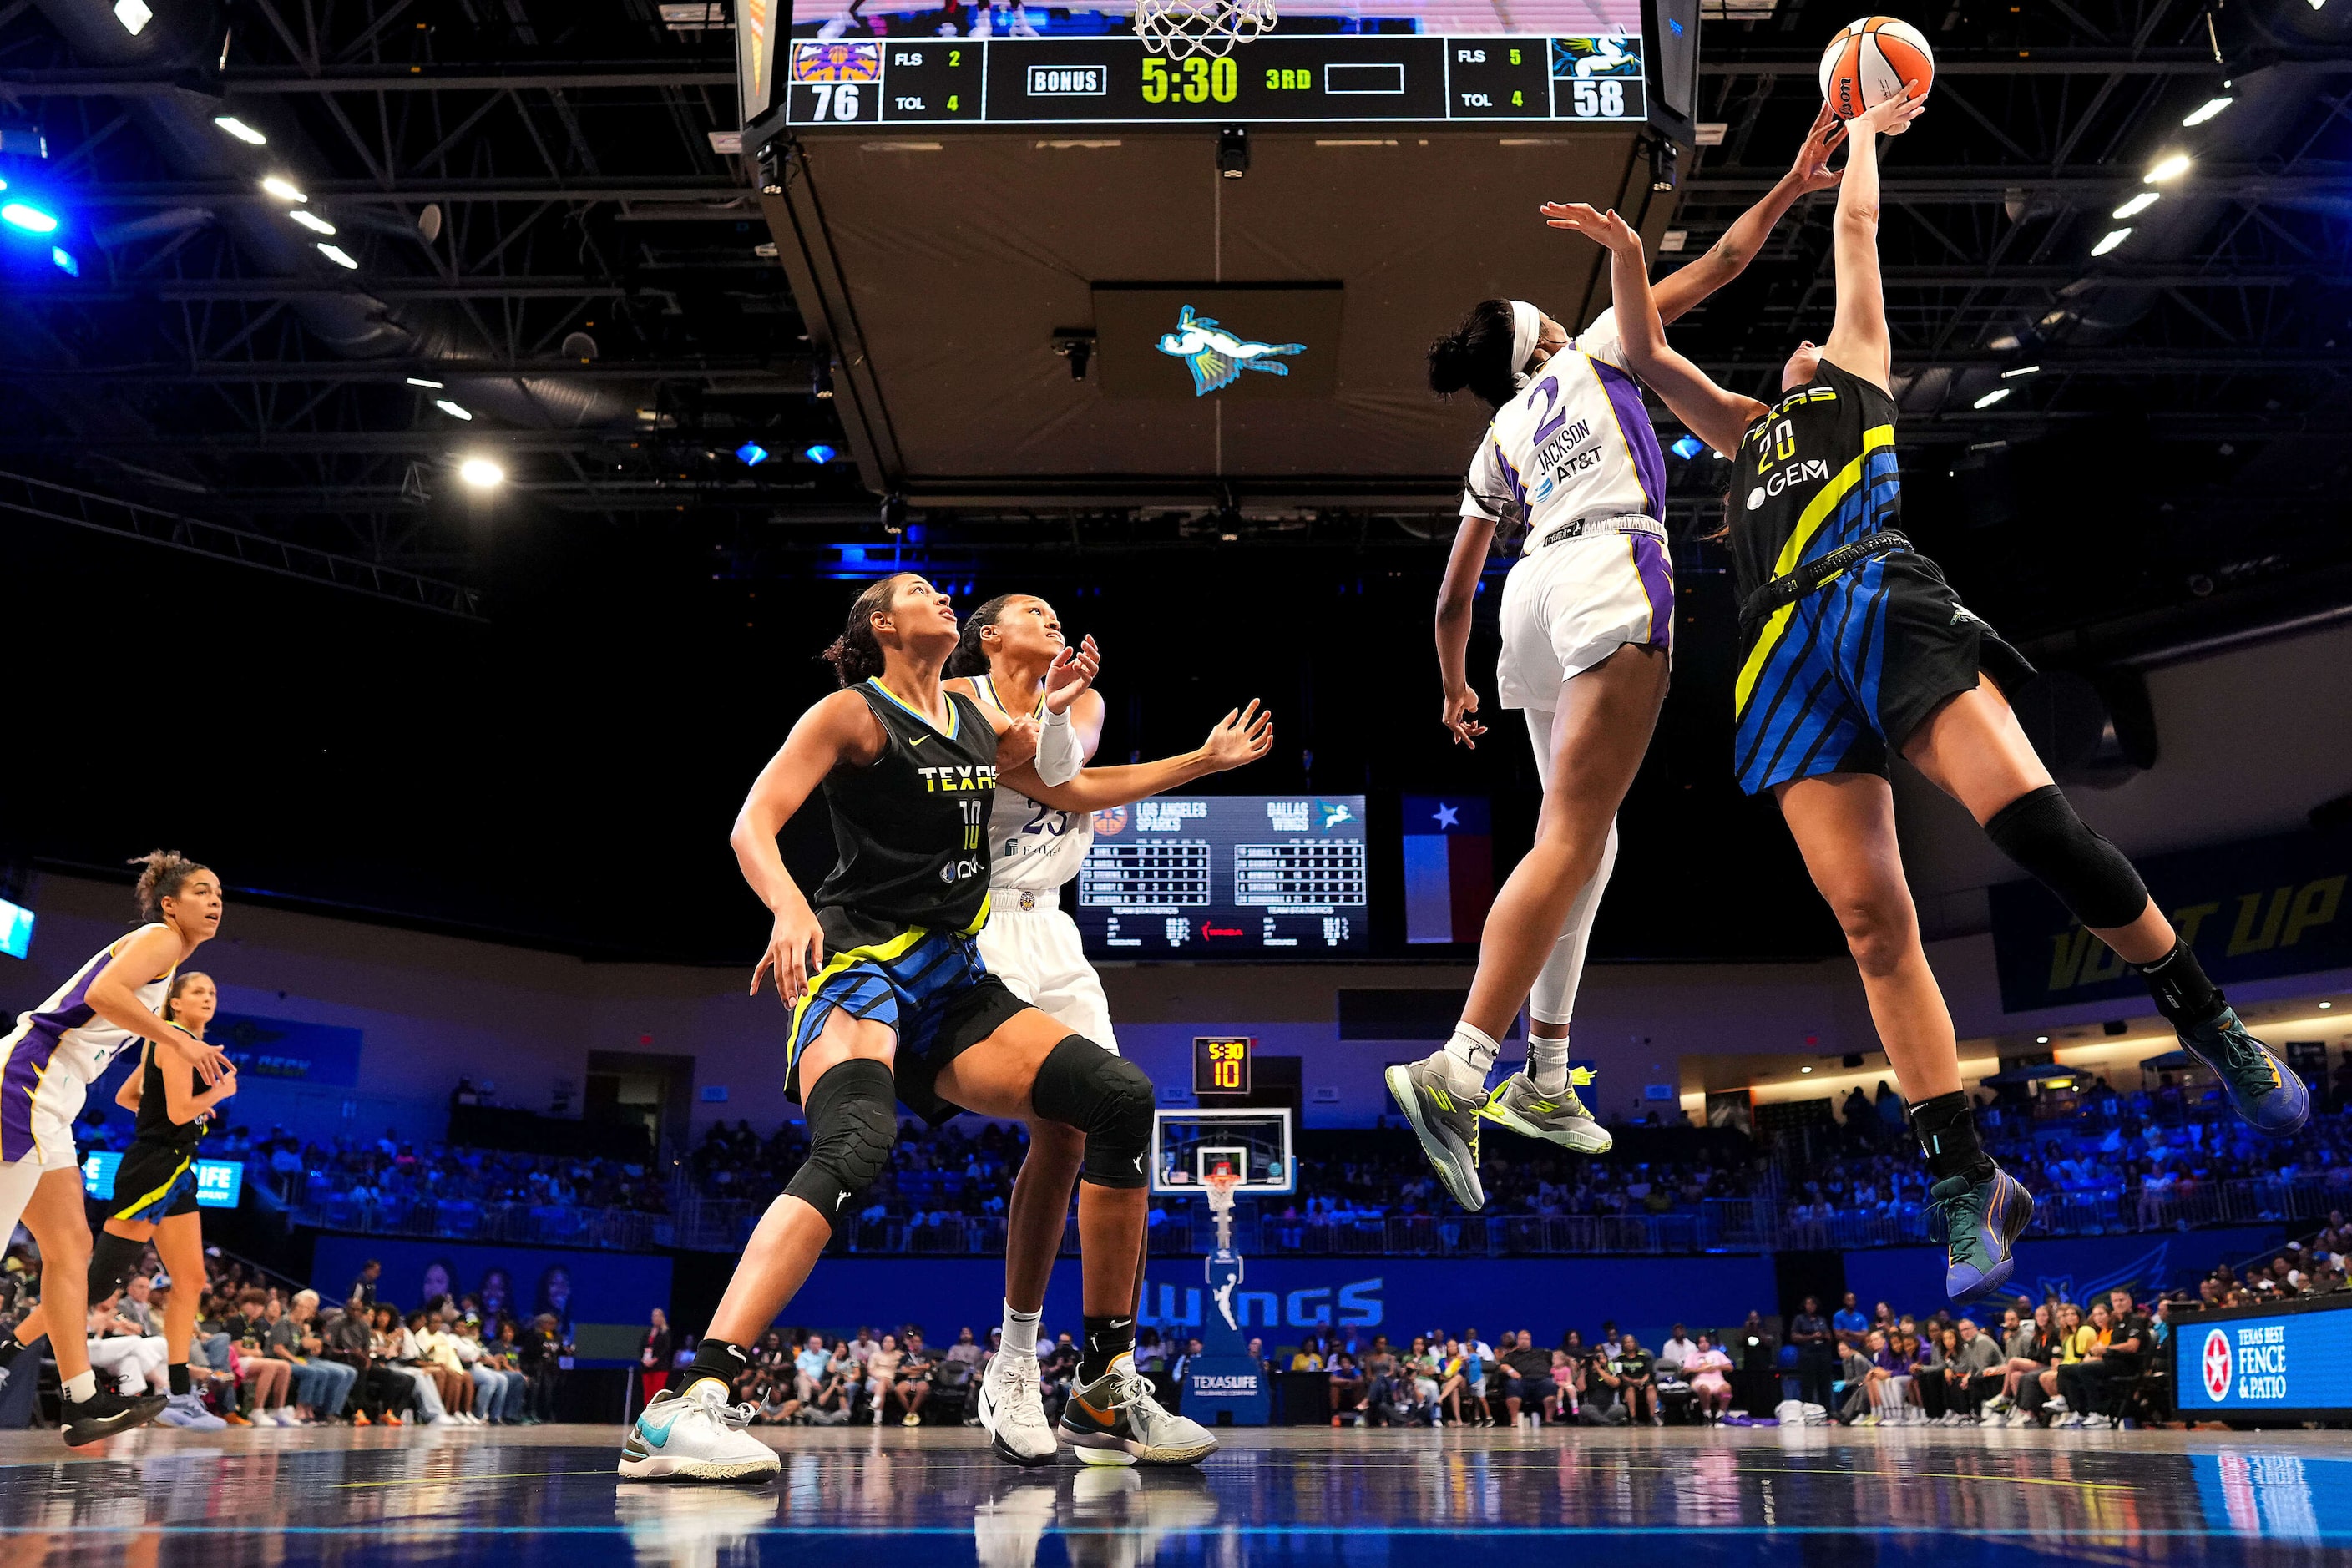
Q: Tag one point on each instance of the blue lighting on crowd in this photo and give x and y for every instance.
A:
(820, 453)
(29, 218)
(752, 454)
(1687, 447)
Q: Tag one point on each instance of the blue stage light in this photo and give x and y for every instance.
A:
(1687, 447)
(64, 261)
(31, 219)
(820, 453)
(752, 454)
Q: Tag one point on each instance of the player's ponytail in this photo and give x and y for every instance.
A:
(856, 654)
(971, 658)
(1477, 355)
(161, 875)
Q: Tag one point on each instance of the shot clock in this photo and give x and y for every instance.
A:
(1221, 1063)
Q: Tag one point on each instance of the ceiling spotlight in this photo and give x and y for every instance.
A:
(420, 381)
(819, 453)
(481, 473)
(2170, 169)
(31, 219)
(2040, 1039)
(454, 410)
(240, 130)
(1995, 396)
(752, 454)
(284, 189)
(339, 256)
(1804, 1069)
(311, 221)
(63, 260)
(2324, 1006)
(2139, 204)
(2208, 109)
(133, 14)
(2115, 237)
(2020, 370)
(1688, 447)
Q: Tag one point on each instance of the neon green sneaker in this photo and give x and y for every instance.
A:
(1446, 1124)
(1517, 1104)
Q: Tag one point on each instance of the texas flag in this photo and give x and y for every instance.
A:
(1449, 866)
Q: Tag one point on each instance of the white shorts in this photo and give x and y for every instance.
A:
(1037, 954)
(1573, 604)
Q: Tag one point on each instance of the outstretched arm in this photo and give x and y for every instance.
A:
(1718, 417)
(1729, 257)
(1858, 341)
(1456, 597)
(1242, 736)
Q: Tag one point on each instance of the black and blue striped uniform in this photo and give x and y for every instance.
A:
(1836, 679)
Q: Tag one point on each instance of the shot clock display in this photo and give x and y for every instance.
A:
(1221, 1063)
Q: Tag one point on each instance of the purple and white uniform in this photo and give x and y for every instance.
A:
(1575, 457)
(51, 1059)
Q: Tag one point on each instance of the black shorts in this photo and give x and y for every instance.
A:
(1838, 681)
(154, 1182)
(930, 988)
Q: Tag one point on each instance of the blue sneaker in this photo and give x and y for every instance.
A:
(1981, 1219)
(2261, 1088)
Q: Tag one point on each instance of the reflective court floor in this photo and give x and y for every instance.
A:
(1315, 1497)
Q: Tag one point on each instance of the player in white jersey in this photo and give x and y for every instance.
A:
(46, 1066)
(1588, 632)
(1037, 843)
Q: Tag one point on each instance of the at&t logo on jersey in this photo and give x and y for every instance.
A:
(955, 780)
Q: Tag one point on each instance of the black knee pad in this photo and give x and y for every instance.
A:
(1105, 1096)
(111, 1259)
(852, 1120)
(2041, 833)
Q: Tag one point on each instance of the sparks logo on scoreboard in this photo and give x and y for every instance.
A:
(837, 59)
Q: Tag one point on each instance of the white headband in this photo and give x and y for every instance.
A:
(1526, 332)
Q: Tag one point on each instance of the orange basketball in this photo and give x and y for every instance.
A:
(1870, 60)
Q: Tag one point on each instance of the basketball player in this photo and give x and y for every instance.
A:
(46, 1066)
(1037, 843)
(890, 1002)
(1853, 647)
(155, 1193)
(1587, 631)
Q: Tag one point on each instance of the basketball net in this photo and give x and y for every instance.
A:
(1221, 1185)
(1183, 29)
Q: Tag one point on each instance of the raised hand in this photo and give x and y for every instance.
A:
(1072, 671)
(1242, 736)
(1811, 169)
(1893, 115)
(1459, 707)
(1017, 745)
(1606, 228)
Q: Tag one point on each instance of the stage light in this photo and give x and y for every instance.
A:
(420, 381)
(133, 14)
(240, 130)
(31, 219)
(2115, 237)
(1995, 396)
(1687, 447)
(1804, 1069)
(63, 260)
(284, 189)
(2138, 205)
(2324, 1006)
(2020, 370)
(311, 221)
(481, 473)
(454, 410)
(820, 453)
(752, 454)
(2171, 168)
(2208, 109)
(339, 256)
(2040, 1039)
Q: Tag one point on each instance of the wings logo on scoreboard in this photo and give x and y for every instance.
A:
(837, 59)
(1111, 822)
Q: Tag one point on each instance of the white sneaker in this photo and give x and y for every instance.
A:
(2095, 1422)
(1114, 1420)
(2019, 1418)
(2055, 1405)
(281, 1416)
(1012, 1410)
(188, 1412)
(2070, 1422)
(695, 1436)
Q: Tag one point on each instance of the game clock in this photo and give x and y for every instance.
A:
(1220, 1064)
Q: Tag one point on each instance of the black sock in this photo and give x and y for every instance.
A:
(178, 1371)
(716, 1358)
(1107, 1338)
(1946, 1127)
(2182, 993)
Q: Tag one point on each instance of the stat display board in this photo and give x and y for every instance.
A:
(1251, 875)
(1313, 78)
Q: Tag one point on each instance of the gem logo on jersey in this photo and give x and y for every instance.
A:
(1812, 470)
(2216, 1365)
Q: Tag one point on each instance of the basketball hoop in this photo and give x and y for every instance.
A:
(1221, 1185)
(1183, 29)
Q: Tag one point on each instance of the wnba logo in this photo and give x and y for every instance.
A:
(2216, 1366)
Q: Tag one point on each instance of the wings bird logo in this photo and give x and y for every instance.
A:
(1215, 357)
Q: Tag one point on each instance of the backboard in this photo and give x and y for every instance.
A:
(1188, 1145)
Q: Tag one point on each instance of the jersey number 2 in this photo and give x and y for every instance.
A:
(1549, 387)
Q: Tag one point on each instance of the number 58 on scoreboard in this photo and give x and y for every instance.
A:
(1221, 1063)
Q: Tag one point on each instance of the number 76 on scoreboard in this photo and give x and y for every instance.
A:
(1221, 1063)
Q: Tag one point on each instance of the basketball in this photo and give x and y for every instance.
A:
(1869, 61)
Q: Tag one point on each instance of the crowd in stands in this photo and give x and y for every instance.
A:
(267, 1354)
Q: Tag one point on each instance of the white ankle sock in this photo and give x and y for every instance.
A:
(1548, 1063)
(1019, 1330)
(1469, 1057)
(82, 1387)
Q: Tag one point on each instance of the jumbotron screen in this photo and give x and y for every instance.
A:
(1227, 875)
(969, 62)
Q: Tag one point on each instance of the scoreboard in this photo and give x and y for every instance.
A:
(1257, 877)
(1221, 1063)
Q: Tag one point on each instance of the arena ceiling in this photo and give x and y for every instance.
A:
(545, 215)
